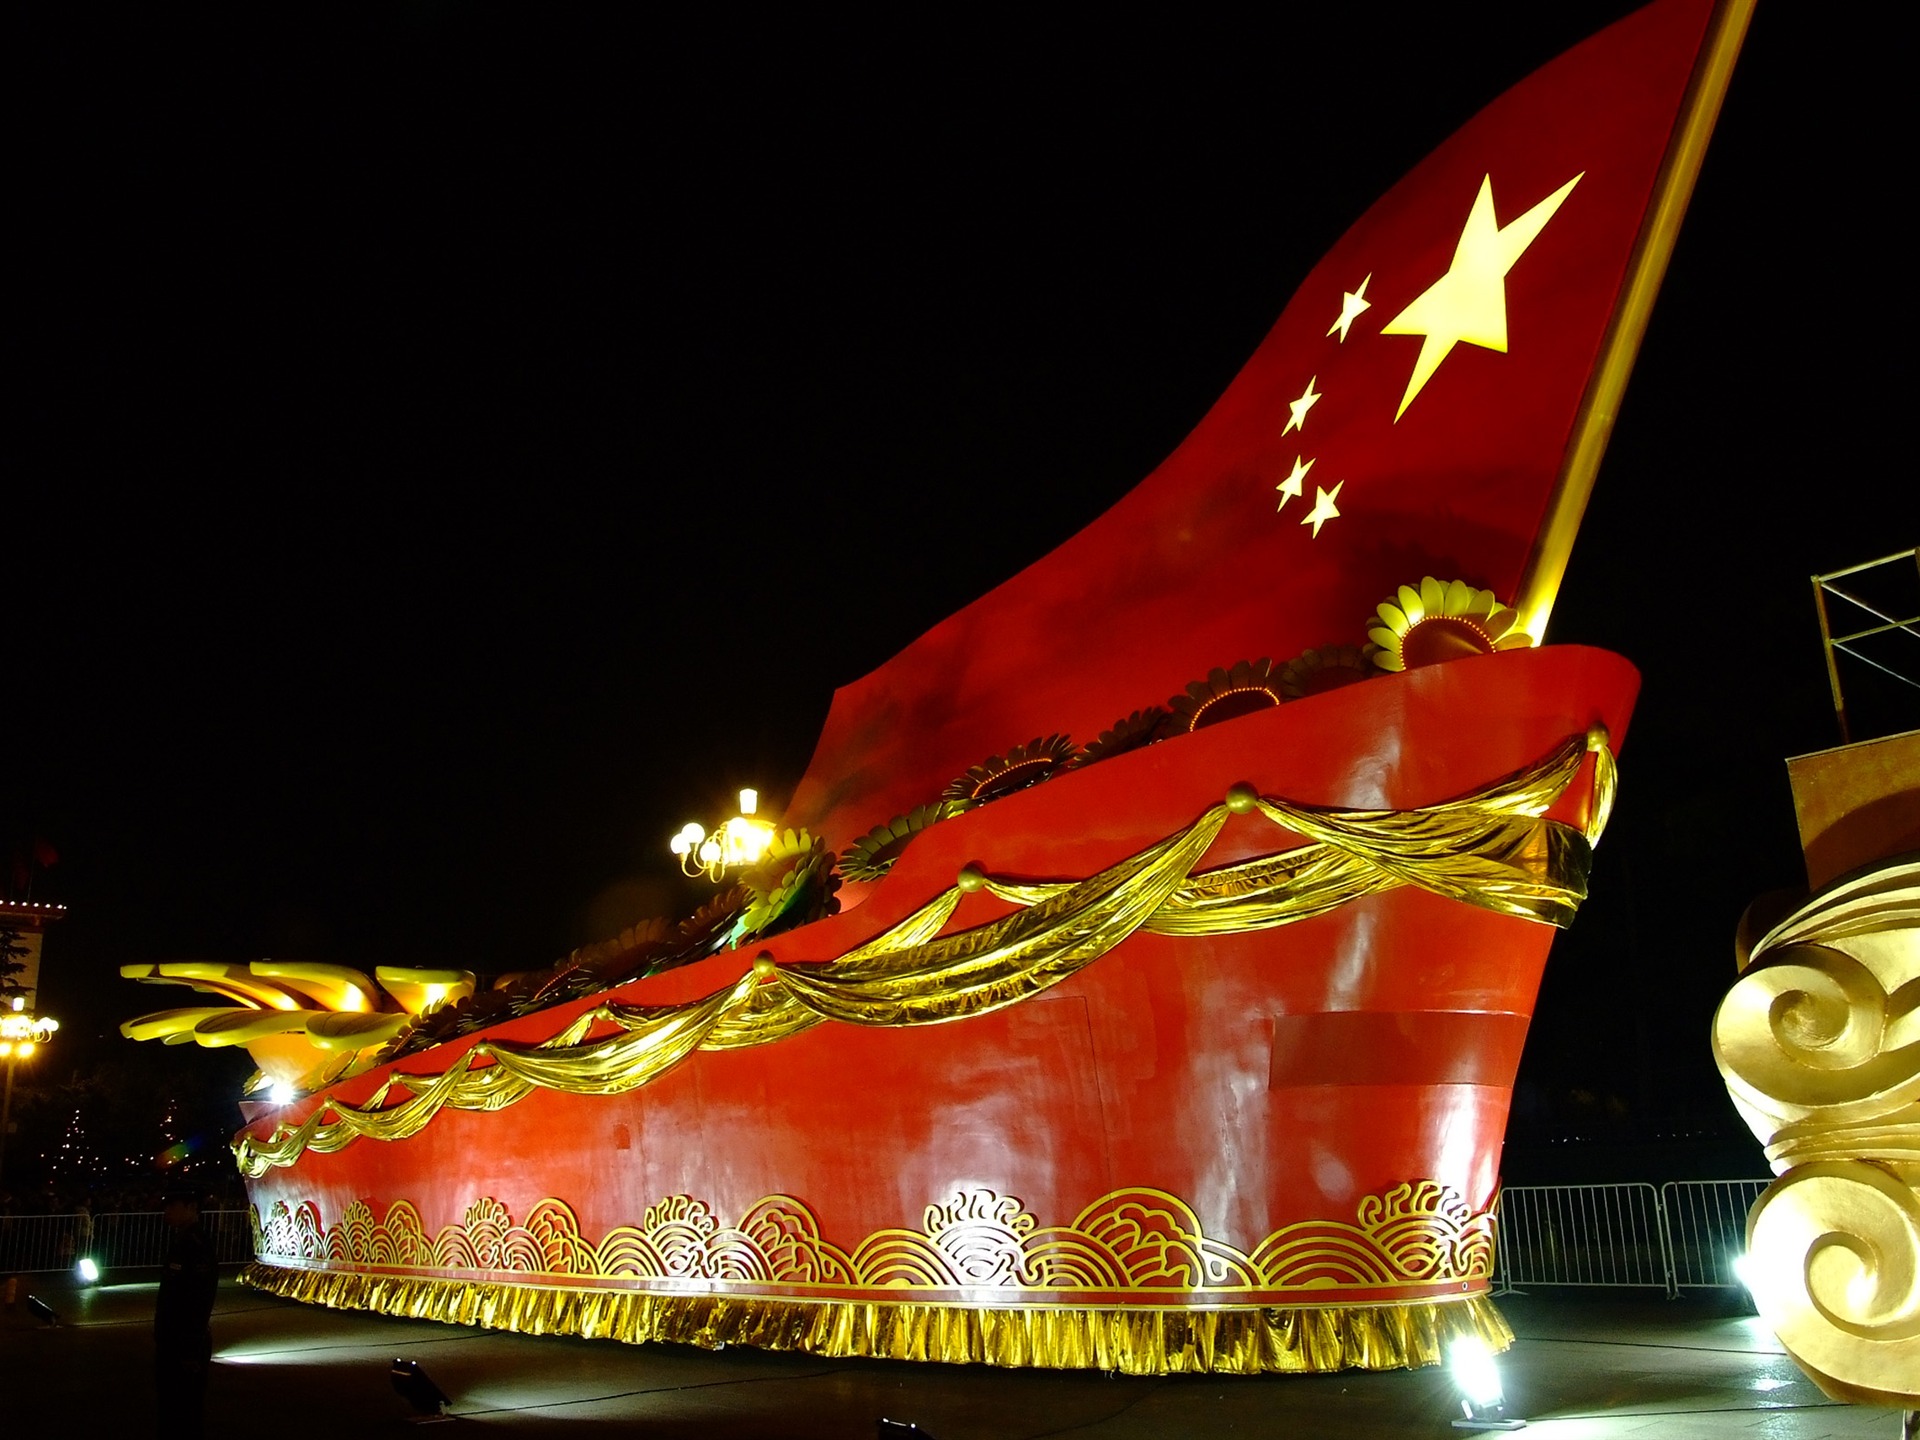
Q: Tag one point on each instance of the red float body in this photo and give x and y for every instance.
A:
(1264, 1078)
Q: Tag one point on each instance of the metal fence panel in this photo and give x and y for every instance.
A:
(1707, 1228)
(1586, 1235)
(232, 1234)
(117, 1240)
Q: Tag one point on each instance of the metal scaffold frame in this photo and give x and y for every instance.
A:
(1824, 586)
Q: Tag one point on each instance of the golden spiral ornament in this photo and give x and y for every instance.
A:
(1819, 1044)
(1804, 1031)
(1839, 1243)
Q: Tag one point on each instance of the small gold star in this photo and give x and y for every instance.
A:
(1290, 486)
(1469, 303)
(1352, 303)
(1323, 508)
(1301, 406)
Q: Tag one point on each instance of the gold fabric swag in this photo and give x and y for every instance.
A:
(1493, 849)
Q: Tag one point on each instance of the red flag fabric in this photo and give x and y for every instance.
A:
(1407, 416)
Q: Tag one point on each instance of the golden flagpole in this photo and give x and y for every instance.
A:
(1646, 267)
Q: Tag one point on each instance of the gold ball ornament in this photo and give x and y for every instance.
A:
(764, 967)
(970, 879)
(1243, 799)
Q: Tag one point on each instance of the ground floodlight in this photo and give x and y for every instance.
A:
(416, 1387)
(42, 1311)
(902, 1430)
(1477, 1378)
(88, 1271)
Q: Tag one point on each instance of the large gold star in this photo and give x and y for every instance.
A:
(1352, 303)
(1290, 486)
(1300, 407)
(1469, 302)
(1323, 508)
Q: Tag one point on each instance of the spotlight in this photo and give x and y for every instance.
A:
(88, 1271)
(902, 1430)
(1743, 1269)
(42, 1311)
(413, 1385)
(1477, 1379)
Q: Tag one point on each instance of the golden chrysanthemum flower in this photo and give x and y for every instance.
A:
(873, 854)
(1442, 620)
(1313, 672)
(793, 883)
(1226, 695)
(705, 931)
(1142, 727)
(1020, 767)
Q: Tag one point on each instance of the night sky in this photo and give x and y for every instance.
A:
(452, 446)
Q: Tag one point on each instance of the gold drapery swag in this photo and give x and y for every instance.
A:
(1493, 849)
(1237, 1340)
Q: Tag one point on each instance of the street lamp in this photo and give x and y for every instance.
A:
(739, 842)
(20, 1035)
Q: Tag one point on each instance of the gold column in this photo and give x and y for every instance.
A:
(1819, 1044)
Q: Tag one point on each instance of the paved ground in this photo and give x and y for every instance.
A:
(1583, 1370)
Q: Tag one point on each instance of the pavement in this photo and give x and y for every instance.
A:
(1583, 1369)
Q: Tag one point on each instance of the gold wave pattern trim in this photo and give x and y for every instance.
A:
(1137, 1241)
(1492, 849)
(1819, 1044)
(1239, 1340)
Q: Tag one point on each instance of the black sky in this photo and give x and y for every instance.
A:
(454, 445)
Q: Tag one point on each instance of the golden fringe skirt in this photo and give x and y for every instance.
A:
(1135, 1340)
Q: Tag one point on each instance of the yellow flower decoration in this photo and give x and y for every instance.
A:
(1141, 727)
(1020, 767)
(1442, 620)
(793, 883)
(873, 854)
(1226, 695)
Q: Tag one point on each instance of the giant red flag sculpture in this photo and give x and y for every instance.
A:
(1196, 1056)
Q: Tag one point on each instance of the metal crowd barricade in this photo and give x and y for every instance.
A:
(1706, 1229)
(1586, 1235)
(117, 1240)
(1683, 1236)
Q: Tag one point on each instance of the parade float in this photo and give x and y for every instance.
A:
(1138, 974)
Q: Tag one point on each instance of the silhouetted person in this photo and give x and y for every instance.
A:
(82, 1230)
(182, 1339)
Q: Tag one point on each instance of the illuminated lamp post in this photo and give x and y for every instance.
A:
(739, 842)
(20, 1035)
